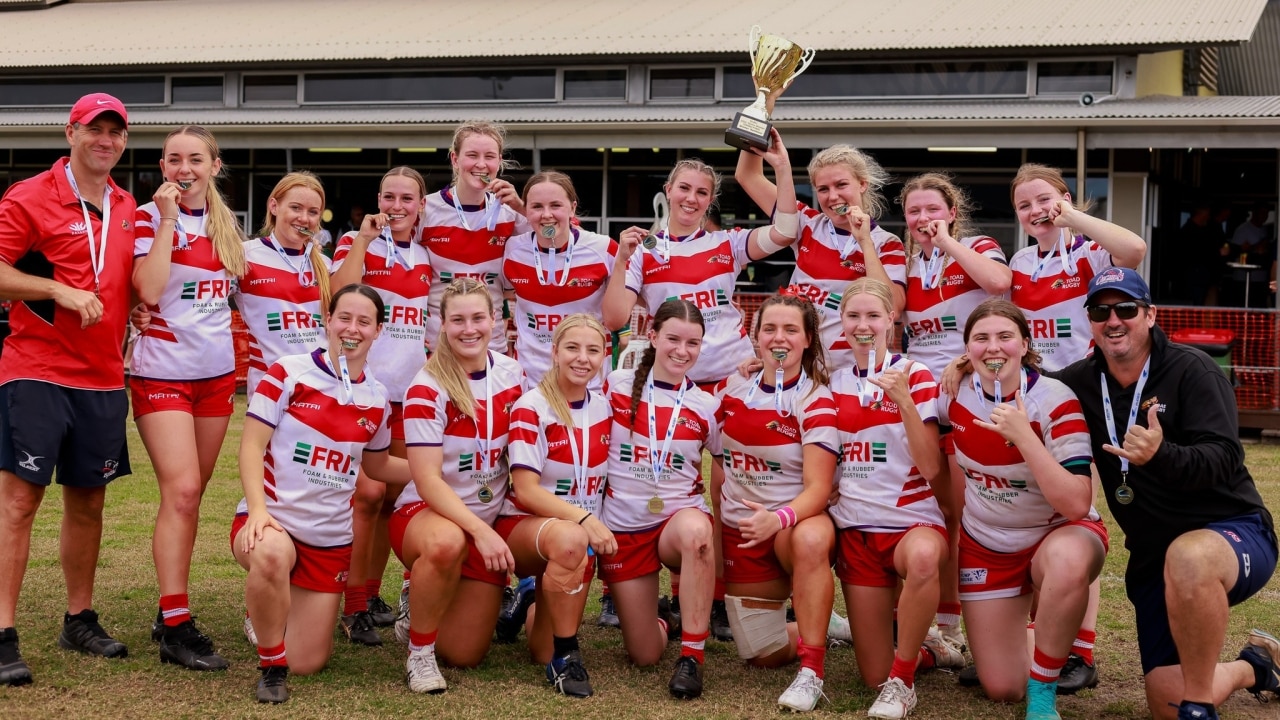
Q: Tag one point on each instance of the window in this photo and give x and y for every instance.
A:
(62, 91)
(680, 83)
(1092, 76)
(204, 90)
(271, 89)
(595, 84)
(919, 79)
(469, 85)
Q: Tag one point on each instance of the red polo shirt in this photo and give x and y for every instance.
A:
(42, 233)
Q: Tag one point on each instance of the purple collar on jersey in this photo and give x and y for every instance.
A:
(447, 194)
(577, 404)
(287, 250)
(668, 386)
(317, 357)
(488, 362)
(1076, 242)
(1032, 377)
(191, 212)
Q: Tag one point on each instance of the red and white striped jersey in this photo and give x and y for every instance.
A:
(542, 301)
(881, 490)
(540, 442)
(399, 352)
(934, 319)
(763, 450)
(190, 333)
(703, 269)
(827, 260)
(282, 314)
(462, 245)
(631, 483)
(470, 462)
(311, 463)
(1004, 509)
(1054, 303)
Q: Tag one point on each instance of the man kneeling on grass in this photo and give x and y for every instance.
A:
(1162, 420)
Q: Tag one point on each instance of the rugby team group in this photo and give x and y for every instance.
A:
(946, 475)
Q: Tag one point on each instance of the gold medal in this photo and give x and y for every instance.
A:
(656, 505)
(1124, 493)
(485, 494)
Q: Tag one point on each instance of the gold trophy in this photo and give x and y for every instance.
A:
(775, 63)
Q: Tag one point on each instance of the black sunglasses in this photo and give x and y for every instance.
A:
(1126, 310)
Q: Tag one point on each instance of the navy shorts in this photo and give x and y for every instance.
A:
(79, 433)
(1254, 544)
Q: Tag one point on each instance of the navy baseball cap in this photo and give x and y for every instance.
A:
(1122, 280)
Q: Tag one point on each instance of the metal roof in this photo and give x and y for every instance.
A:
(1254, 68)
(144, 33)
(1160, 108)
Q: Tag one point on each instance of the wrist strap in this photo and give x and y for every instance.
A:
(786, 516)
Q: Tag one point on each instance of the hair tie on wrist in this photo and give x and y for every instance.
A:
(584, 518)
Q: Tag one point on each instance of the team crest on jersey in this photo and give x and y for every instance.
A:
(1152, 401)
(722, 259)
(497, 240)
(779, 427)
(423, 278)
(368, 425)
(690, 423)
(124, 224)
(77, 228)
(1066, 283)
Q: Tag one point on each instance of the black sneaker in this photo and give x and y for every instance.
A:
(686, 681)
(514, 611)
(569, 676)
(186, 646)
(1076, 676)
(675, 608)
(720, 629)
(968, 676)
(1263, 653)
(82, 633)
(360, 629)
(608, 613)
(672, 617)
(13, 669)
(157, 627)
(272, 685)
(382, 613)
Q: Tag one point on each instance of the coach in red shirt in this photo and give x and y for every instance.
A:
(66, 252)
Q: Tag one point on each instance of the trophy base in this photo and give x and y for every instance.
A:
(747, 133)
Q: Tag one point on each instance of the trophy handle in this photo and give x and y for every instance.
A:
(753, 41)
(806, 59)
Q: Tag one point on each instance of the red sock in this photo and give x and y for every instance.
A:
(719, 592)
(272, 656)
(926, 659)
(418, 640)
(1046, 669)
(675, 587)
(175, 609)
(904, 670)
(1083, 645)
(407, 575)
(354, 600)
(813, 657)
(691, 645)
(949, 613)
(604, 589)
(373, 588)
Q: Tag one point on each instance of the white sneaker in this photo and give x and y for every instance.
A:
(423, 672)
(402, 629)
(838, 629)
(249, 634)
(945, 654)
(954, 636)
(404, 598)
(896, 700)
(804, 692)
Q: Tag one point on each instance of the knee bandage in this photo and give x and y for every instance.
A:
(759, 625)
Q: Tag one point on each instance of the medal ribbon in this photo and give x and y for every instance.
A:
(1068, 263)
(1108, 414)
(300, 268)
(982, 398)
(550, 275)
(660, 456)
(97, 254)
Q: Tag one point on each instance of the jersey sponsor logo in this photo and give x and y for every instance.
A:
(543, 321)
(164, 396)
(820, 298)
(738, 460)
(488, 278)
(583, 282)
(629, 453)
(467, 461)
(300, 319)
(518, 281)
(973, 576)
(306, 405)
(368, 425)
(928, 326)
(704, 299)
(203, 289)
(1051, 328)
(261, 281)
(994, 482)
(1067, 283)
(569, 486)
(783, 428)
(77, 228)
(318, 456)
(29, 462)
(374, 273)
(861, 451)
(1150, 402)
(721, 259)
(405, 315)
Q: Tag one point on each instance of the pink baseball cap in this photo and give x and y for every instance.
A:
(94, 104)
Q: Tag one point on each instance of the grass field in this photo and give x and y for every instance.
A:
(369, 682)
